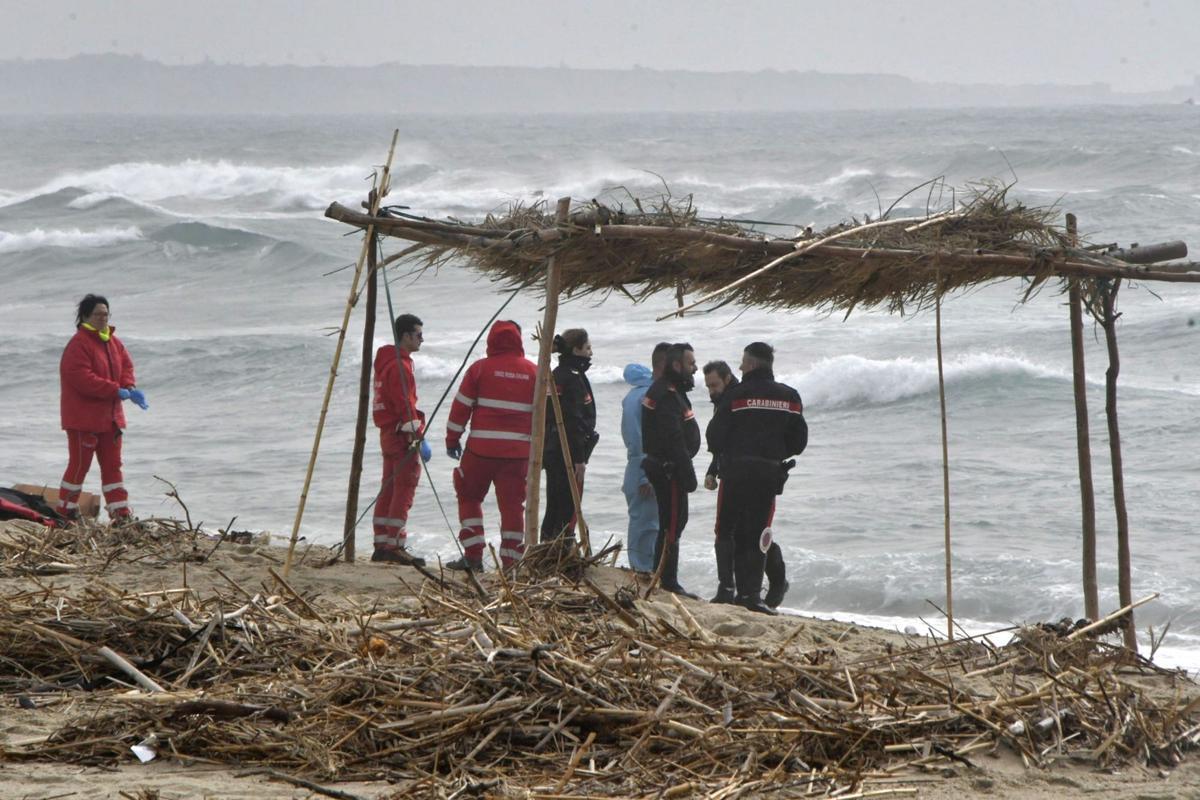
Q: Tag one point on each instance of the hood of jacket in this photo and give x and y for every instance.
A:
(504, 339)
(386, 356)
(638, 375)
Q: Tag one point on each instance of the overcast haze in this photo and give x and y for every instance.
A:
(1134, 46)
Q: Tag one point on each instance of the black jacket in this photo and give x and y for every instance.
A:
(670, 433)
(714, 467)
(578, 409)
(758, 418)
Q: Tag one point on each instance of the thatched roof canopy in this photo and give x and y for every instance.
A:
(897, 264)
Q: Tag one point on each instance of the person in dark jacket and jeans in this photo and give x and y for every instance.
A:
(579, 421)
(758, 424)
(718, 378)
(670, 439)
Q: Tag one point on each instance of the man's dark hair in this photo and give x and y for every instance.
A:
(720, 367)
(675, 352)
(407, 323)
(514, 322)
(569, 340)
(87, 305)
(659, 357)
(763, 352)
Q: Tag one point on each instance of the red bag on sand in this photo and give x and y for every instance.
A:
(19, 505)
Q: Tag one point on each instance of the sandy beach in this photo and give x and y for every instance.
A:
(173, 570)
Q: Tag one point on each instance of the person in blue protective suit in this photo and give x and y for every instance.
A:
(639, 494)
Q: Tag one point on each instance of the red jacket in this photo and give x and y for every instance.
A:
(496, 398)
(91, 373)
(395, 408)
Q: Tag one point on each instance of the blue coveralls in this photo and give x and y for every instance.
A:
(643, 511)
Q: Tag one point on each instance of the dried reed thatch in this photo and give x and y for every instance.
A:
(665, 245)
(549, 686)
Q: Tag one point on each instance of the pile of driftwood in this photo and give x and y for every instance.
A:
(31, 549)
(551, 686)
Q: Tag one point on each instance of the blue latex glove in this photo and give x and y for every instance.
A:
(123, 394)
(454, 452)
(139, 398)
(426, 451)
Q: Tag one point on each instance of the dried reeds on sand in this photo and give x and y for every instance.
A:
(546, 685)
(666, 245)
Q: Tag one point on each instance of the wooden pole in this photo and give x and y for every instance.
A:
(1087, 492)
(378, 194)
(585, 540)
(1124, 581)
(364, 403)
(945, 466)
(537, 437)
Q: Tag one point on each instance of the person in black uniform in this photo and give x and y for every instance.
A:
(579, 420)
(718, 378)
(758, 423)
(670, 438)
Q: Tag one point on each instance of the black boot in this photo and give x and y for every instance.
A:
(670, 574)
(463, 564)
(725, 596)
(748, 572)
(754, 603)
(726, 590)
(777, 583)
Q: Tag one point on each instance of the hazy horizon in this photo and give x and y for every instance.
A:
(1142, 46)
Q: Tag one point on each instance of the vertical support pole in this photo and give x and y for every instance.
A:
(1124, 580)
(537, 437)
(945, 465)
(1087, 492)
(364, 403)
(377, 194)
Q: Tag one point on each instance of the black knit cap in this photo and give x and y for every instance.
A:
(762, 351)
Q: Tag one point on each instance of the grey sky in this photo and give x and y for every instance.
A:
(1131, 44)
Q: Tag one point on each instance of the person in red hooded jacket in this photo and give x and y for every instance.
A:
(496, 399)
(96, 374)
(401, 432)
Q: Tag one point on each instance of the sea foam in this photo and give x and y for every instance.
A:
(855, 380)
(70, 237)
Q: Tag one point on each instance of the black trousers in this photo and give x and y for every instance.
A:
(774, 567)
(672, 519)
(746, 508)
(559, 518)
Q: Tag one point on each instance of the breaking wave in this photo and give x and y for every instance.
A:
(70, 237)
(853, 380)
(221, 180)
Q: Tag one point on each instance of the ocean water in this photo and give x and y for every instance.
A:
(208, 238)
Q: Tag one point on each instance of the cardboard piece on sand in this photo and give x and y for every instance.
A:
(89, 504)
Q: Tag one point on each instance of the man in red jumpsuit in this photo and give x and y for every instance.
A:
(96, 373)
(401, 428)
(496, 399)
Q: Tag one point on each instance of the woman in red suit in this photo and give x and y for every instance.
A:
(97, 375)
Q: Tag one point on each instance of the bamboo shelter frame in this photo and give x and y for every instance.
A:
(585, 247)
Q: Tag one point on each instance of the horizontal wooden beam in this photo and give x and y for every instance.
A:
(1011, 264)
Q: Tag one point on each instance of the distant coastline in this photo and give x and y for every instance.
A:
(130, 84)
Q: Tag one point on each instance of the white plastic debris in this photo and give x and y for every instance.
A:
(144, 750)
